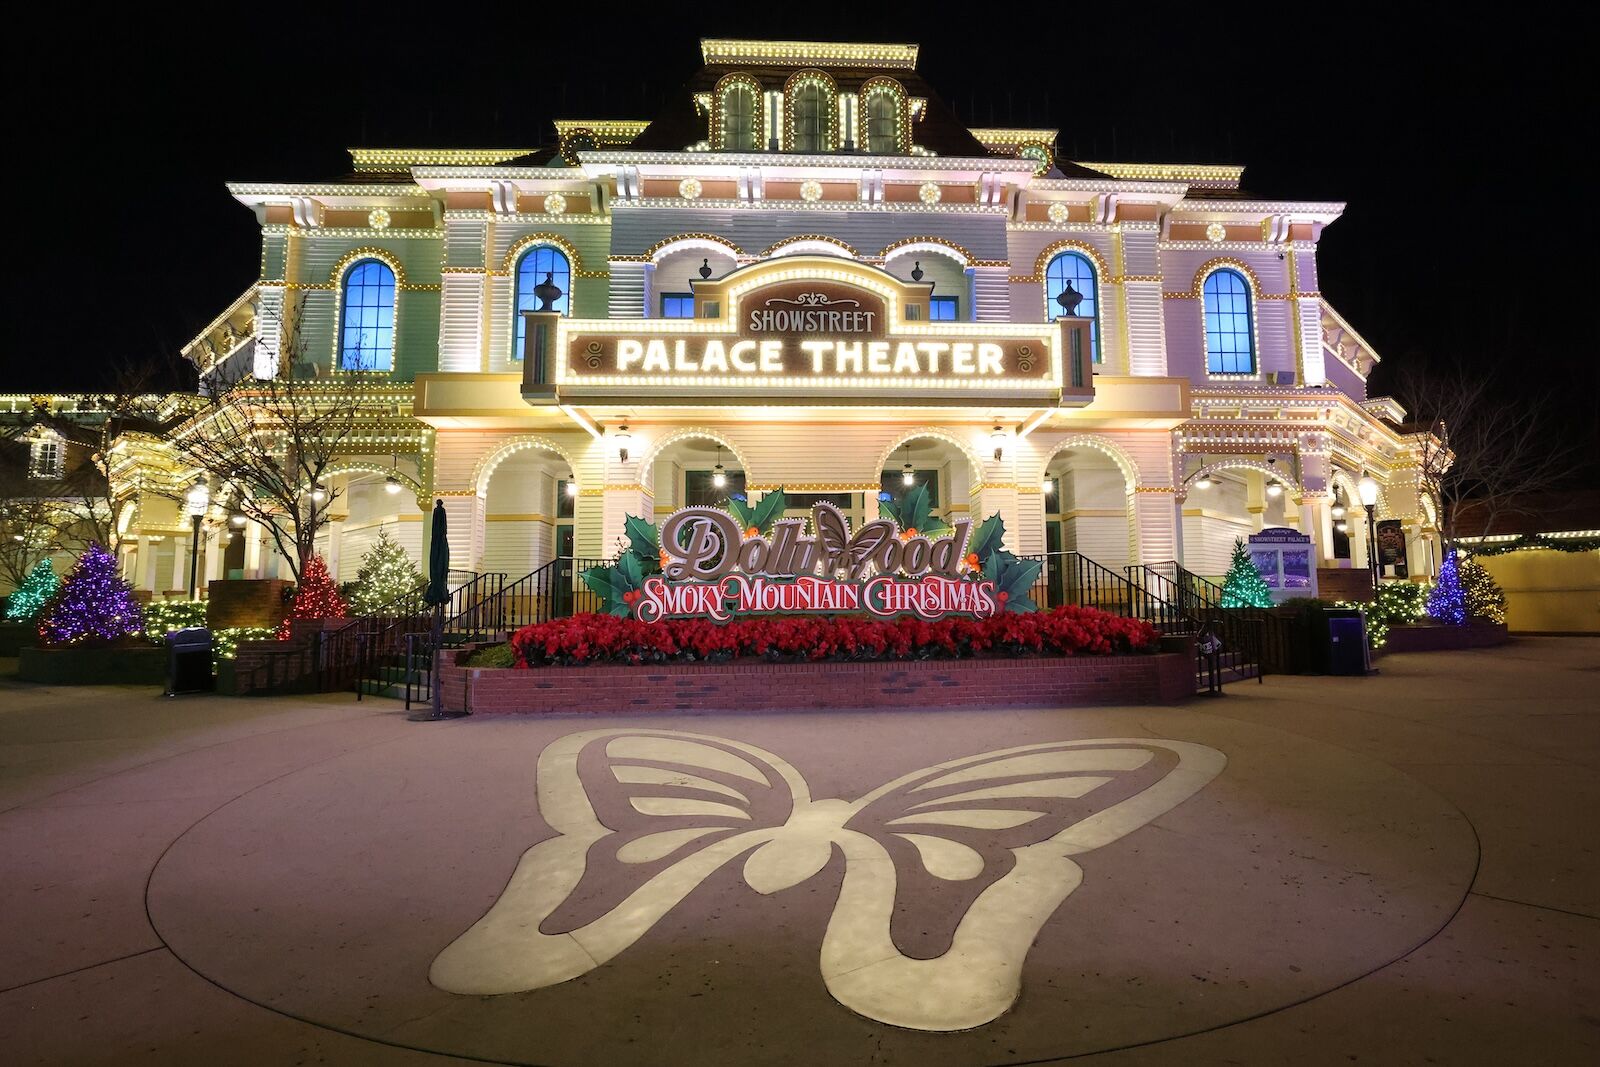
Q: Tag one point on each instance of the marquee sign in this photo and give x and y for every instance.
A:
(717, 564)
(793, 329)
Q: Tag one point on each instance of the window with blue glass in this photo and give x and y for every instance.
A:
(1230, 338)
(943, 308)
(533, 268)
(1075, 269)
(366, 327)
(677, 305)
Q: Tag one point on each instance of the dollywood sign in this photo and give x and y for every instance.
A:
(711, 563)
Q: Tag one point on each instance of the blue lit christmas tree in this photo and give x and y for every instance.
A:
(1448, 601)
(94, 605)
(34, 592)
(1244, 587)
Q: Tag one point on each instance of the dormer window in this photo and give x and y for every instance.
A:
(736, 114)
(812, 119)
(46, 458)
(887, 111)
(808, 119)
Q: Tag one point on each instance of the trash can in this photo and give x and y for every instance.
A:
(1347, 642)
(189, 661)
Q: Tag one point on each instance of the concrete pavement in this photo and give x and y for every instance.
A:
(1393, 869)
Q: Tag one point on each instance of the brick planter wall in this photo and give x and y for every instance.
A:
(1164, 678)
(1443, 638)
(246, 602)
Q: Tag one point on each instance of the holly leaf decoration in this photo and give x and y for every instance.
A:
(767, 511)
(611, 583)
(743, 512)
(916, 513)
(888, 509)
(643, 542)
(985, 541)
(1013, 578)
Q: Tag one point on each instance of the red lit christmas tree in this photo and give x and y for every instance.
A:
(315, 598)
(94, 606)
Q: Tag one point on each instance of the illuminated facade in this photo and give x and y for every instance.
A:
(805, 273)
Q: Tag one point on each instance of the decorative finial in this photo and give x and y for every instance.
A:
(916, 271)
(705, 268)
(548, 292)
(1069, 299)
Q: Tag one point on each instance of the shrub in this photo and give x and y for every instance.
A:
(493, 656)
(164, 616)
(597, 638)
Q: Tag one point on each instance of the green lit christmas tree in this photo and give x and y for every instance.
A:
(1244, 587)
(387, 573)
(36, 589)
(316, 597)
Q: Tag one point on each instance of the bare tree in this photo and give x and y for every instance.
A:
(28, 525)
(69, 502)
(268, 442)
(1500, 450)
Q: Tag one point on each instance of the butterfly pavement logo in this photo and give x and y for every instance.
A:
(949, 872)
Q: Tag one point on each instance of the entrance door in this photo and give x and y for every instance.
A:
(1054, 560)
(561, 595)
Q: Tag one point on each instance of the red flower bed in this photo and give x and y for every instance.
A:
(1065, 631)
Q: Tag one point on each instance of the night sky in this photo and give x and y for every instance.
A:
(1460, 149)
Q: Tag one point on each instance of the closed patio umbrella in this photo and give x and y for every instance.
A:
(437, 594)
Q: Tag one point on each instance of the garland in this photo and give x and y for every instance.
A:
(1531, 541)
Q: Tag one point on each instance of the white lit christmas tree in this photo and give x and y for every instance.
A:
(387, 573)
(1244, 587)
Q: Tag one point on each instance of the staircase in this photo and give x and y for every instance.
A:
(392, 655)
(1231, 644)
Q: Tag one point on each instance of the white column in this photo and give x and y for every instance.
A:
(180, 563)
(252, 549)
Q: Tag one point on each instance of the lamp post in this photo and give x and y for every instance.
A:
(198, 499)
(1368, 488)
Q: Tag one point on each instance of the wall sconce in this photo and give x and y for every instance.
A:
(1203, 482)
(623, 438)
(1048, 486)
(1274, 489)
(572, 487)
(998, 439)
(318, 493)
(237, 520)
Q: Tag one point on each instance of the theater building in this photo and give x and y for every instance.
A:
(805, 273)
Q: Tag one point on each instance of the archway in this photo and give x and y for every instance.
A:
(693, 467)
(1087, 493)
(362, 505)
(1228, 500)
(531, 504)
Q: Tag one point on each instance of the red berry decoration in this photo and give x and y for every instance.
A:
(1003, 597)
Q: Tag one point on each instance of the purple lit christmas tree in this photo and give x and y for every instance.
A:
(94, 606)
(1448, 601)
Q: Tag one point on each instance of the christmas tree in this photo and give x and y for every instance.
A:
(387, 573)
(1448, 601)
(315, 598)
(37, 588)
(94, 604)
(1244, 587)
(1485, 599)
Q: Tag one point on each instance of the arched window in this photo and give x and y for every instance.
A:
(366, 327)
(1230, 339)
(739, 120)
(535, 265)
(810, 121)
(1075, 268)
(883, 124)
